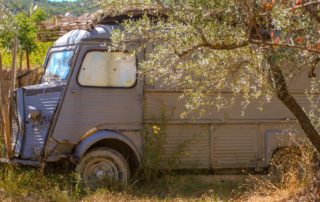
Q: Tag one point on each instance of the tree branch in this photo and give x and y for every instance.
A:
(304, 5)
(312, 50)
(218, 46)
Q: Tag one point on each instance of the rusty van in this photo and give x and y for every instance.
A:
(92, 106)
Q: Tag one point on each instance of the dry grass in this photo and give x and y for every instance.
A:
(61, 184)
(299, 180)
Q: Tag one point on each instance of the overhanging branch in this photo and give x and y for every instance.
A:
(311, 3)
(258, 42)
(218, 46)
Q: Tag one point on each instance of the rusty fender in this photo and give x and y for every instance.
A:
(86, 143)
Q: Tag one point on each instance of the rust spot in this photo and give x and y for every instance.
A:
(88, 133)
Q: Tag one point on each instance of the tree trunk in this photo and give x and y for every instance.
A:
(28, 60)
(279, 84)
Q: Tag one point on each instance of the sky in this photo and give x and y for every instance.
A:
(62, 0)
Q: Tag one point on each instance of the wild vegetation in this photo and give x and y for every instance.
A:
(26, 184)
(52, 8)
(36, 57)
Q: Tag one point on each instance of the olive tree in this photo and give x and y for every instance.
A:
(8, 28)
(27, 25)
(248, 47)
(22, 25)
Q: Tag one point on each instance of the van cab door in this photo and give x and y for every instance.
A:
(103, 92)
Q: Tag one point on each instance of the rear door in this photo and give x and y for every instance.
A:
(104, 92)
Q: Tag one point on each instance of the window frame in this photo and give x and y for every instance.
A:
(51, 50)
(59, 51)
(111, 87)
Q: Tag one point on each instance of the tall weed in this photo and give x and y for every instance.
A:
(297, 178)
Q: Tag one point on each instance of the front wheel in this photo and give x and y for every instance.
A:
(102, 166)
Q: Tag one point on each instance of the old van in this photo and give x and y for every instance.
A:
(92, 106)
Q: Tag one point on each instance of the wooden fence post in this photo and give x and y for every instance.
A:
(7, 102)
(1, 83)
(5, 114)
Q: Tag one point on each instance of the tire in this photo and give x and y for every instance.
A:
(102, 166)
(285, 164)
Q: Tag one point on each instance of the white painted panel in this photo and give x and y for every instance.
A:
(108, 69)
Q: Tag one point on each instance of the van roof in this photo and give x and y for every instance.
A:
(99, 32)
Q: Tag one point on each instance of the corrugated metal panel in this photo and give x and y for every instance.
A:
(175, 107)
(234, 146)
(35, 134)
(196, 151)
(15, 130)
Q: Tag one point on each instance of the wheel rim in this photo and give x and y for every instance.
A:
(102, 170)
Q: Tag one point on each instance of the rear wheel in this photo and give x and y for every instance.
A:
(286, 164)
(102, 167)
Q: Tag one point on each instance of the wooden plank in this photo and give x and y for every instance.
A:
(5, 112)
(7, 101)
(1, 76)
(11, 96)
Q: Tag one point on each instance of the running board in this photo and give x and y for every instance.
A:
(20, 162)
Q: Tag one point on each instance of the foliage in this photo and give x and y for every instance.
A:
(23, 183)
(8, 28)
(153, 142)
(52, 8)
(313, 97)
(27, 32)
(36, 57)
(205, 49)
(22, 26)
(248, 49)
(38, 15)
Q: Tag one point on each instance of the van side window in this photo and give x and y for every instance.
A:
(108, 69)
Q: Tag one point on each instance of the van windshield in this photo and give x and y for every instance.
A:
(58, 66)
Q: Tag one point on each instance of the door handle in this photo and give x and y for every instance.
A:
(73, 91)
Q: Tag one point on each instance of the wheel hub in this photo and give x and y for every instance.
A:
(100, 174)
(103, 167)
